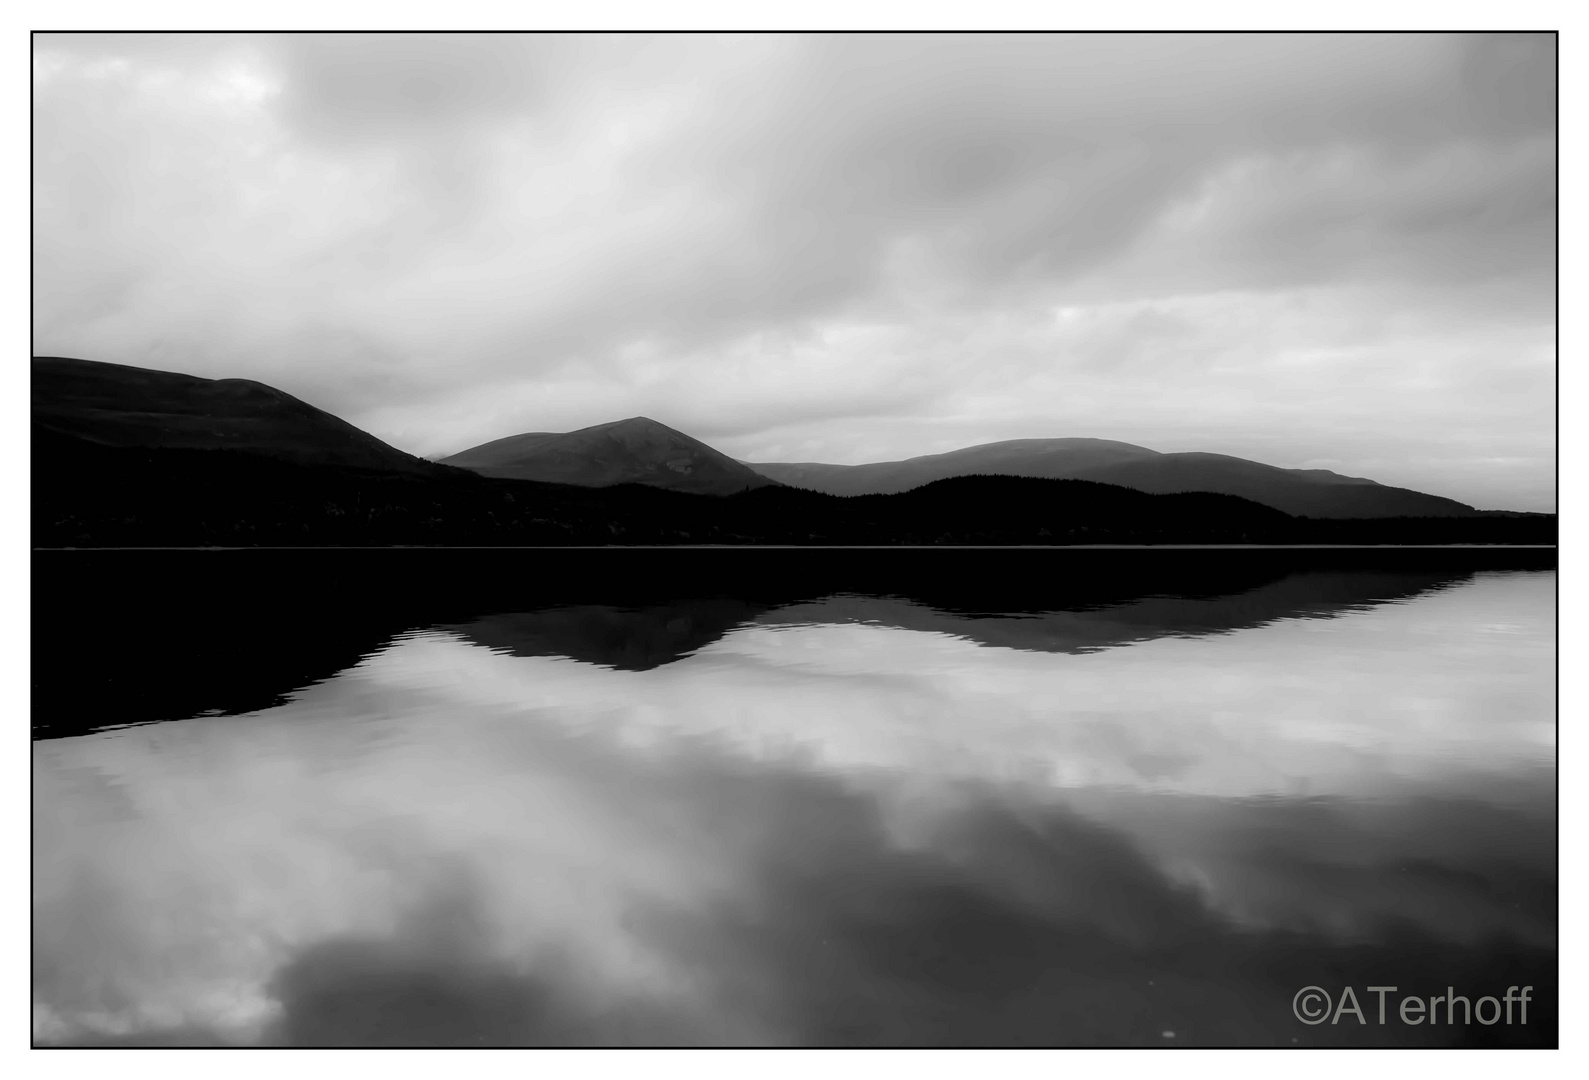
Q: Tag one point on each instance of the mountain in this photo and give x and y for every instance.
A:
(1315, 493)
(634, 451)
(114, 405)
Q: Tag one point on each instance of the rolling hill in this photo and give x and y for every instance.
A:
(115, 405)
(1313, 493)
(634, 451)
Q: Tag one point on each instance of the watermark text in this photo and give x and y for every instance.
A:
(1314, 1005)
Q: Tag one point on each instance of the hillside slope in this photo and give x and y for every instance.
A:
(1301, 492)
(634, 451)
(1057, 459)
(115, 405)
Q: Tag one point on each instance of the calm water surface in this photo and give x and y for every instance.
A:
(1146, 817)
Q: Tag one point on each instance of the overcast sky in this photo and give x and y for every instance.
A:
(1315, 251)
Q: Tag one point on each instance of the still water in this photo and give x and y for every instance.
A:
(1144, 806)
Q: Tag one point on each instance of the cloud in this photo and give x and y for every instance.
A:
(817, 243)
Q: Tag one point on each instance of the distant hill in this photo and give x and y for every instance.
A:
(114, 405)
(1315, 493)
(1050, 458)
(634, 451)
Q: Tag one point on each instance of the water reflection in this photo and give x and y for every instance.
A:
(626, 638)
(179, 634)
(853, 819)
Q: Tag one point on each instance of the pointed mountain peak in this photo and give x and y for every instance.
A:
(635, 427)
(637, 422)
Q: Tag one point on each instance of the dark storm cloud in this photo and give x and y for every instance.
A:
(825, 247)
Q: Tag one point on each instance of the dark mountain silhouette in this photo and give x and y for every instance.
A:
(134, 458)
(1301, 492)
(115, 405)
(634, 451)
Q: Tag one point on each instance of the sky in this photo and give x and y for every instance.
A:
(1316, 251)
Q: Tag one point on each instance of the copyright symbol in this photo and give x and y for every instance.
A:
(1307, 1007)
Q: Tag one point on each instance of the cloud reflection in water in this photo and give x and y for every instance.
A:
(817, 832)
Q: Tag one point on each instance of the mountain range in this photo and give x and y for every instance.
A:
(640, 450)
(126, 456)
(1299, 492)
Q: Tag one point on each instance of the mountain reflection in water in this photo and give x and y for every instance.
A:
(1087, 807)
